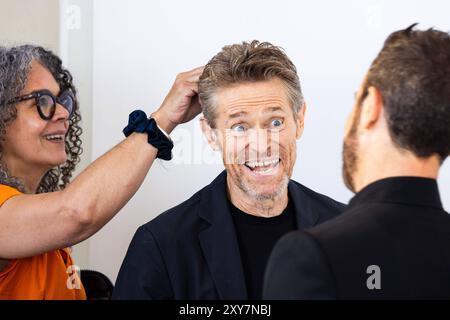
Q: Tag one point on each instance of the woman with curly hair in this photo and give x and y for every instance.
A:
(41, 213)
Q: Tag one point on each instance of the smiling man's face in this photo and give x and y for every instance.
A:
(256, 131)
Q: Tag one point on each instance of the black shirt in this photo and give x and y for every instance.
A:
(256, 237)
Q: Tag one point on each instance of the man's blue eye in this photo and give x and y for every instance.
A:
(239, 128)
(277, 122)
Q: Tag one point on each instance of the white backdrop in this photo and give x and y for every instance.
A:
(140, 46)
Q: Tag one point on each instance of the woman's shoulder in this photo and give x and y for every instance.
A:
(7, 192)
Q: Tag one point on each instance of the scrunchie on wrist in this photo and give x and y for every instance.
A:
(138, 122)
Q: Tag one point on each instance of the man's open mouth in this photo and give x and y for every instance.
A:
(262, 166)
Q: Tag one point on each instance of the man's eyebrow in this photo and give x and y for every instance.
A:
(237, 115)
(273, 109)
(244, 113)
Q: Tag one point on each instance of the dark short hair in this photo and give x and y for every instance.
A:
(412, 72)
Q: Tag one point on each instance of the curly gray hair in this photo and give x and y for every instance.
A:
(15, 64)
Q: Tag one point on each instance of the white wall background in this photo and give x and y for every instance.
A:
(30, 21)
(140, 46)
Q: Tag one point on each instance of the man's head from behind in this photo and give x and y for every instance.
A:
(253, 113)
(403, 106)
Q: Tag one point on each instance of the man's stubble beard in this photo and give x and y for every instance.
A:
(350, 154)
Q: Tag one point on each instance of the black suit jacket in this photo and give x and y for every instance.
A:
(396, 224)
(191, 251)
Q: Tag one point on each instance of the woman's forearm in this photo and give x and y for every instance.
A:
(101, 190)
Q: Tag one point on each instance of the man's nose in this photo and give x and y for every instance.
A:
(258, 140)
(263, 143)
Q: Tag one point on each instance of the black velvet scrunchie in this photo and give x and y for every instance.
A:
(138, 122)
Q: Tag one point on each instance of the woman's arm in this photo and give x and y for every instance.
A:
(33, 224)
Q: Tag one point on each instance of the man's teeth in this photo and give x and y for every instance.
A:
(256, 164)
(55, 137)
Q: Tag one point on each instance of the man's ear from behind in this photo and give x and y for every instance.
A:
(372, 109)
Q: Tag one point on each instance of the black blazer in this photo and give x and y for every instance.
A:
(396, 224)
(191, 251)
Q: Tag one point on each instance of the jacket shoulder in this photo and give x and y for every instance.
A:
(176, 218)
(297, 269)
(185, 216)
(327, 207)
(321, 197)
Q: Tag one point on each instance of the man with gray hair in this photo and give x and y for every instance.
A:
(216, 244)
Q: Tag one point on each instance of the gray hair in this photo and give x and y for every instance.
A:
(248, 62)
(15, 65)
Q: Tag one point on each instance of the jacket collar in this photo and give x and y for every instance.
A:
(401, 190)
(219, 241)
(306, 215)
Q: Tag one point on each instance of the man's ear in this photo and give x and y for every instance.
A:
(209, 133)
(371, 108)
(300, 121)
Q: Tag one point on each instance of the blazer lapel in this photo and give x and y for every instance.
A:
(306, 215)
(219, 242)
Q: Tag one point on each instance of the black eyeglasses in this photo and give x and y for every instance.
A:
(46, 102)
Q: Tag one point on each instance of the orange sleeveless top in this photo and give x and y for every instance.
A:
(48, 276)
